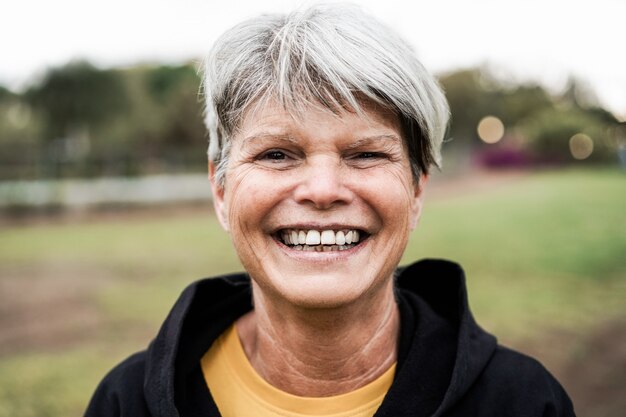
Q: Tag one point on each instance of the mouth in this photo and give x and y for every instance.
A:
(327, 240)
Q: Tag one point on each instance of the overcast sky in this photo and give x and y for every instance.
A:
(543, 40)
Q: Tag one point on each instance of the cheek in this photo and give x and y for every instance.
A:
(244, 211)
(240, 194)
(392, 196)
(245, 215)
(251, 198)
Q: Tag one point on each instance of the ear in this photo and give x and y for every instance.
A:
(218, 198)
(418, 200)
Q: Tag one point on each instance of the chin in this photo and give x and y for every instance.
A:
(327, 290)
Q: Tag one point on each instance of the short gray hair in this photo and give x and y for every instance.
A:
(332, 56)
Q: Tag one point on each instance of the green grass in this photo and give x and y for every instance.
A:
(51, 384)
(176, 244)
(545, 251)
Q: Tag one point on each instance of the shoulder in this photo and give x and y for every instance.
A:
(120, 393)
(514, 384)
(507, 364)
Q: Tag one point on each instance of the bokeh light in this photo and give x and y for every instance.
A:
(490, 129)
(580, 146)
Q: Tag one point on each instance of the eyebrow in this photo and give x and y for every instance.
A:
(369, 139)
(267, 135)
(284, 137)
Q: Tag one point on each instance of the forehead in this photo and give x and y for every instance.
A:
(274, 119)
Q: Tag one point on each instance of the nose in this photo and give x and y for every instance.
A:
(322, 184)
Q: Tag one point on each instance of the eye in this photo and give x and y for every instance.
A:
(277, 158)
(368, 155)
(368, 159)
(274, 156)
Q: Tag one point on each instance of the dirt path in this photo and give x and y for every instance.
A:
(47, 307)
(591, 367)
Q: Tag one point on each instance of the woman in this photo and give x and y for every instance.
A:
(323, 127)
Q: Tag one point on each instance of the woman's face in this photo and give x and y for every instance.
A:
(327, 181)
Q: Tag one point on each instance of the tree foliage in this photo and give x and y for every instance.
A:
(542, 122)
(77, 95)
(80, 120)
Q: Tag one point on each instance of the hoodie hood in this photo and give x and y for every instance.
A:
(441, 351)
(445, 323)
(204, 310)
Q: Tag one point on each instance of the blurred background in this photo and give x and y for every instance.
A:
(105, 211)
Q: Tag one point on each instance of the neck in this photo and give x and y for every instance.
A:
(321, 352)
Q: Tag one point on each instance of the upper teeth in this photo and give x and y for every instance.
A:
(316, 237)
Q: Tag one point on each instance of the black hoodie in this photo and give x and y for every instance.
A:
(447, 364)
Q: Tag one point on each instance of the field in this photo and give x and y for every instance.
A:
(545, 256)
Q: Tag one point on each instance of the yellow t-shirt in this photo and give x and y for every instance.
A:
(239, 391)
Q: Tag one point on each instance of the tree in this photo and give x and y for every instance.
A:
(78, 96)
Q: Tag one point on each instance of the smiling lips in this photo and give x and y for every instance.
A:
(319, 241)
